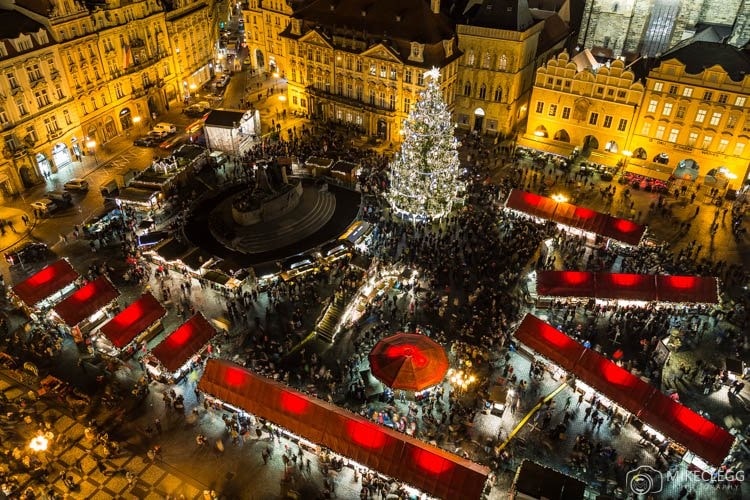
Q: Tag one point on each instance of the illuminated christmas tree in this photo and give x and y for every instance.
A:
(424, 181)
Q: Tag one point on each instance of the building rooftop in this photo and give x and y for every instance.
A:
(224, 118)
(14, 23)
(697, 55)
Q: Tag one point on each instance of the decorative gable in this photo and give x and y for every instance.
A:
(380, 51)
(314, 38)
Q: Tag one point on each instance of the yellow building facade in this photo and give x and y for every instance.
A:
(264, 21)
(578, 107)
(38, 116)
(694, 117)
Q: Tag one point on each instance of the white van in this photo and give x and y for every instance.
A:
(109, 188)
(169, 128)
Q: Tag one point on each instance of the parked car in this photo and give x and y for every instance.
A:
(222, 81)
(45, 206)
(198, 109)
(31, 251)
(167, 128)
(77, 184)
(61, 198)
(147, 141)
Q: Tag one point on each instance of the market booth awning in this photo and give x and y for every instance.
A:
(646, 287)
(188, 339)
(134, 319)
(687, 289)
(408, 361)
(430, 469)
(565, 283)
(676, 421)
(582, 218)
(44, 283)
(86, 301)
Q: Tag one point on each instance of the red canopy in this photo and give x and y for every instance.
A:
(683, 425)
(625, 286)
(86, 301)
(408, 361)
(49, 280)
(582, 218)
(549, 342)
(565, 283)
(123, 328)
(188, 339)
(687, 289)
(432, 470)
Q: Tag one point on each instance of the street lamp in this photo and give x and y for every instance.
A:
(39, 443)
(560, 198)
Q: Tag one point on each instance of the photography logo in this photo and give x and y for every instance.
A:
(644, 479)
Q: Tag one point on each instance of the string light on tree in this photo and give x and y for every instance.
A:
(424, 181)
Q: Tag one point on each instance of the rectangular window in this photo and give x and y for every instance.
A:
(658, 86)
(680, 112)
(622, 126)
(407, 76)
(667, 109)
(359, 65)
(491, 124)
(739, 148)
(673, 89)
(392, 101)
(372, 97)
(607, 122)
(723, 144)
(31, 133)
(692, 139)
(373, 69)
(382, 71)
(687, 92)
(723, 98)
(708, 95)
(393, 73)
(740, 101)
(552, 109)
(715, 119)
(621, 94)
(706, 142)
(732, 121)
(12, 80)
(700, 116)
(21, 105)
(420, 78)
(3, 116)
(593, 118)
(540, 107)
(646, 129)
(566, 113)
(652, 106)
(407, 105)
(660, 132)
(600, 90)
(673, 135)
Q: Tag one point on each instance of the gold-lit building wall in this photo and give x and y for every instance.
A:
(591, 110)
(495, 76)
(37, 112)
(701, 117)
(190, 28)
(264, 21)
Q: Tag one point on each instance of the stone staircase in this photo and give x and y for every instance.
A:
(326, 327)
(305, 220)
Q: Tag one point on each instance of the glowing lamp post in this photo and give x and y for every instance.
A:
(560, 198)
(39, 443)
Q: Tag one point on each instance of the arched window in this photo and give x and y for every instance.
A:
(483, 91)
(467, 89)
(486, 60)
(502, 63)
(470, 58)
(498, 94)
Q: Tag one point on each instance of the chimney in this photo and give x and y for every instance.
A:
(435, 6)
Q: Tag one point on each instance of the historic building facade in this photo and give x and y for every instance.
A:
(38, 116)
(340, 67)
(695, 115)
(690, 119)
(502, 44)
(650, 27)
(594, 111)
(264, 21)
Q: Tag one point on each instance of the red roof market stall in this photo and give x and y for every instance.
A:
(565, 283)
(187, 340)
(687, 289)
(87, 300)
(46, 282)
(549, 342)
(676, 421)
(582, 218)
(622, 286)
(430, 469)
(645, 287)
(133, 320)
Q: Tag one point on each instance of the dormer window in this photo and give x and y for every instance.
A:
(41, 37)
(417, 51)
(448, 47)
